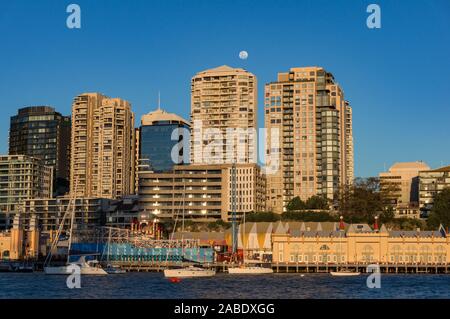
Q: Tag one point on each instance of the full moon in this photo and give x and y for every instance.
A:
(243, 55)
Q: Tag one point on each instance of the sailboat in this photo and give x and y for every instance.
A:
(91, 267)
(189, 271)
(86, 268)
(343, 272)
(244, 269)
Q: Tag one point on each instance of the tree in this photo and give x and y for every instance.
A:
(262, 217)
(317, 202)
(295, 204)
(364, 200)
(440, 212)
(388, 215)
(218, 225)
(306, 216)
(314, 202)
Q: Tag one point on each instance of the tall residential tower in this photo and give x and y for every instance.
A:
(103, 147)
(315, 144)
(223, 99)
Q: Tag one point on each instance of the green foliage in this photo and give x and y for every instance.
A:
(262, 217)
(440, 213)
(405, 223)
(387, 215)
(295, 204)
(314, 202)
(218, 225)
(364, 200)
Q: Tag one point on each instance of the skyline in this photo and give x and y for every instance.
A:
(377, 80)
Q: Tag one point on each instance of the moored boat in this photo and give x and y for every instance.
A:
(344, 273)
(114, 269)
(250, 270)
(86, 268)
(189, 272)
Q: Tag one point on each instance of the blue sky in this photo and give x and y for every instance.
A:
(396, 78)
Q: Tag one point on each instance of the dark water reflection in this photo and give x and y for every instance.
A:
(154, 285)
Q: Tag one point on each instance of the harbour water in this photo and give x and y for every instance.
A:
(154, 285)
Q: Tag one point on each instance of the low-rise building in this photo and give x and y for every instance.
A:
(359, 243)
(123, 213)
(401, 185)
(20, 242)
(21, 177)
(202, 192)
(89, 212)
(432, 182)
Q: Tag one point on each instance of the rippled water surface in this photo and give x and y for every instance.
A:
(154, 285)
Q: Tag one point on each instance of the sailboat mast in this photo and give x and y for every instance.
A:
(73, 199)
(243, 241)
(233, 208)
(70, 232)
(109, 245)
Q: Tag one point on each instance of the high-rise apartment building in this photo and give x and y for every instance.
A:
(21, 177)
(223, 99)
(314, 153)
(162, 136)
(41, 132)
(103, 147)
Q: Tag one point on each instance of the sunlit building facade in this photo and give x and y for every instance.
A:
(223, 99)
(401, 186)
(315, 147)
(21, 177)
(431, 182)
(202, 192)
(41, 132)
(103, 147)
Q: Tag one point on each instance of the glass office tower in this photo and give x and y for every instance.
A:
(41, 132)
(164, 138)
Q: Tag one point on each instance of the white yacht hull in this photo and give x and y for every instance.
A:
(188, 273)
(250, 270)
(344, 274)
(65, 270)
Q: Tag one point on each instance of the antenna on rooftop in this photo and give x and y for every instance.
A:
(159, 100)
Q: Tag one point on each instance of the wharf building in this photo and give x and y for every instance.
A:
(359, 244)
(202, 193)
(102, 147)
(431, 182)
(21, 241)
(41, 132)
(21, 177)
(401, 185)
(315, 145)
